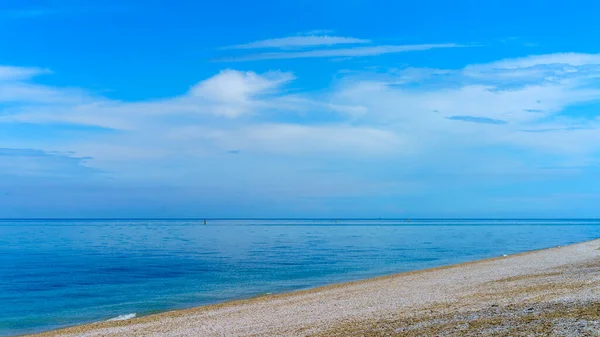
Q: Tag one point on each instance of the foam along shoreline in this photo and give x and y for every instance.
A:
(122, 317)
(554, 291)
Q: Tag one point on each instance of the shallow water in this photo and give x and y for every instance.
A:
(55, 273)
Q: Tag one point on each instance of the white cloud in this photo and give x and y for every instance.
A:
(299, 42)
(8, 73)
(231, 93)
(317, 32)
(228, 94)
(571, 59)
(549, 67)
(361, 117)
(19, 92)
(294, 139)
(528, 105)
(341, 52)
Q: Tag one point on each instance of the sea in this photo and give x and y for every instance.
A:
(58, 273)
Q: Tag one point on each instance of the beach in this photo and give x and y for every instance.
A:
(554, 291)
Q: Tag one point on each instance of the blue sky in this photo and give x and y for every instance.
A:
(299, 109)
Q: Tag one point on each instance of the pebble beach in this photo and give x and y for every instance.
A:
(550, 292)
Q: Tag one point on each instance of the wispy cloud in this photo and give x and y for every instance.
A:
(317, 32)
(570, 59)
(8, 73)
(343, 52)
(229, 94)
(27, 162)
(362, 119)
(481, 120)
(299, 42)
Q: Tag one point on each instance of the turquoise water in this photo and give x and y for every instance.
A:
(55, 273)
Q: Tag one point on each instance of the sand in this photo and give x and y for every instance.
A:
(551, 292)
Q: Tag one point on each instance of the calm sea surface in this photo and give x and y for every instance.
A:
(55, 273)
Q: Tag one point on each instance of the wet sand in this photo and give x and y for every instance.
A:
(551, 292)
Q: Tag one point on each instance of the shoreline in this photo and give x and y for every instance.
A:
(552, 276)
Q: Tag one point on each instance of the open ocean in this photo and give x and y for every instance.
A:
(56, 273)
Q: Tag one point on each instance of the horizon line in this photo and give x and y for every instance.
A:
(300, 218)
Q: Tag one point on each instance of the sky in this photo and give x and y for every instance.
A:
(299, 108)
